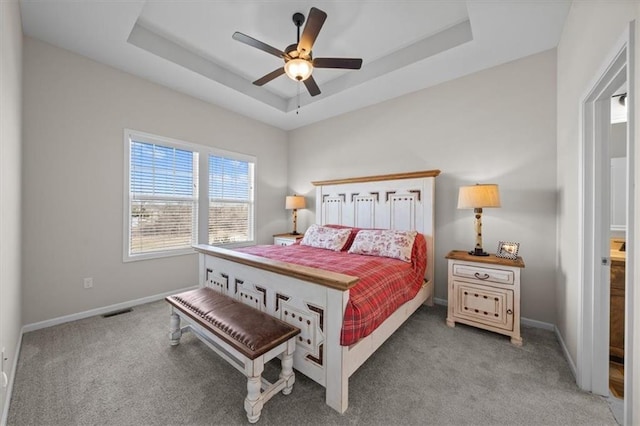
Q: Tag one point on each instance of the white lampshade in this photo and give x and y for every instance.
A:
(298, 69)
(478, 196)
(295, 202)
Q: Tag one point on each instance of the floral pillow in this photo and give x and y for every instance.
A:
(325, 238)
(384, 243)
(352, 235)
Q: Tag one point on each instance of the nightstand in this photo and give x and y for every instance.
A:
(484, 292)
(286, 239)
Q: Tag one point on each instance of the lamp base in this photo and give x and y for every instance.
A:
(294, 233)
(478, 252)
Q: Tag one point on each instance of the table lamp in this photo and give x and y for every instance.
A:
(295, 202)
(477, 197)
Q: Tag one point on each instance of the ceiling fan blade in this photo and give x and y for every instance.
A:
(267, 78)
(311, 29)
(243, 38)
(312, 86)
(345, 63)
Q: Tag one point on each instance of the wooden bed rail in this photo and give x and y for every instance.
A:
(318, 276)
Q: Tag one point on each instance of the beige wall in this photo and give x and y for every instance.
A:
(10, 181)
(498, 125)
(495, 126)
(75, 112)
(618, 141)
(591, 31)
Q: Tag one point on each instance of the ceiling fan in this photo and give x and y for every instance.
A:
(298, 62)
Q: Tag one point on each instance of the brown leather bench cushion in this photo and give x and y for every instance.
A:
(248, 330)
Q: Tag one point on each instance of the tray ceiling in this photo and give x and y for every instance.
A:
(405, 46)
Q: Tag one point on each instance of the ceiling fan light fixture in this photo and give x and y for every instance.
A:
(298, 62)
(298, 69)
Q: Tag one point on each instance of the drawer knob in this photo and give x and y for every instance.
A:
(481, 277)
(509, 311)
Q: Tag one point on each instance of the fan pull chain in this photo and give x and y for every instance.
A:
(298, 100)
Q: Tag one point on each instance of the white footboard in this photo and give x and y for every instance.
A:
(300, 303)
(316, 308)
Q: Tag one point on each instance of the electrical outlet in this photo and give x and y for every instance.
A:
(88, 282)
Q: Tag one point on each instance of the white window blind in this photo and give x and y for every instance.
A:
(163, 202)
(231, 200)
(177, 194)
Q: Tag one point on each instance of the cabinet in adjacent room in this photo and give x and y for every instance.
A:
(616, 322)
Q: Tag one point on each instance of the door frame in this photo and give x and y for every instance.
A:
(592, 367)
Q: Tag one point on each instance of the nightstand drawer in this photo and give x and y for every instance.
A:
(283, 241)
(484, 304)
(502, 276)
(286, 239)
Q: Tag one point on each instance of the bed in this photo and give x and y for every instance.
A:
(318, 300)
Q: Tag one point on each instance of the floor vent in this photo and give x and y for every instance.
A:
(114, 313)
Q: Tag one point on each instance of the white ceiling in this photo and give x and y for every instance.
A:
(405, 46)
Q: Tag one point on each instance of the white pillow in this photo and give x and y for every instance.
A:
(325, 238)
(384, 243)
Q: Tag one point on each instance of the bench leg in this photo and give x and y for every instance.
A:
(174, 329)
(254, 401)
(286, 374)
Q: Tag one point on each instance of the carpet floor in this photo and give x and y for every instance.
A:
(122, 371)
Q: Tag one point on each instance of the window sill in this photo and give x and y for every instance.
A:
(157, 255)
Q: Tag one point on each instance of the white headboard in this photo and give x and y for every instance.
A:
(403, 201)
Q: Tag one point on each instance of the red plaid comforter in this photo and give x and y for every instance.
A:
(385, 284)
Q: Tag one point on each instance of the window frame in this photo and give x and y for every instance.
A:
(200, 233)
(204, 192)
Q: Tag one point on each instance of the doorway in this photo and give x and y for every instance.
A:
(618, 220)
(592, 369)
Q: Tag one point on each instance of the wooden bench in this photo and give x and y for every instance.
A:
(242, 335)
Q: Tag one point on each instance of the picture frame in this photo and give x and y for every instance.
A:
(508, 250)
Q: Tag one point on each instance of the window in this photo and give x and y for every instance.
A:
(162, 192)
(230, 200)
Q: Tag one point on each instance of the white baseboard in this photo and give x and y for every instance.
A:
(537, 324)
(99, 311)
(525, 321)
(438, 301)
(567, 355)
(14, 367)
